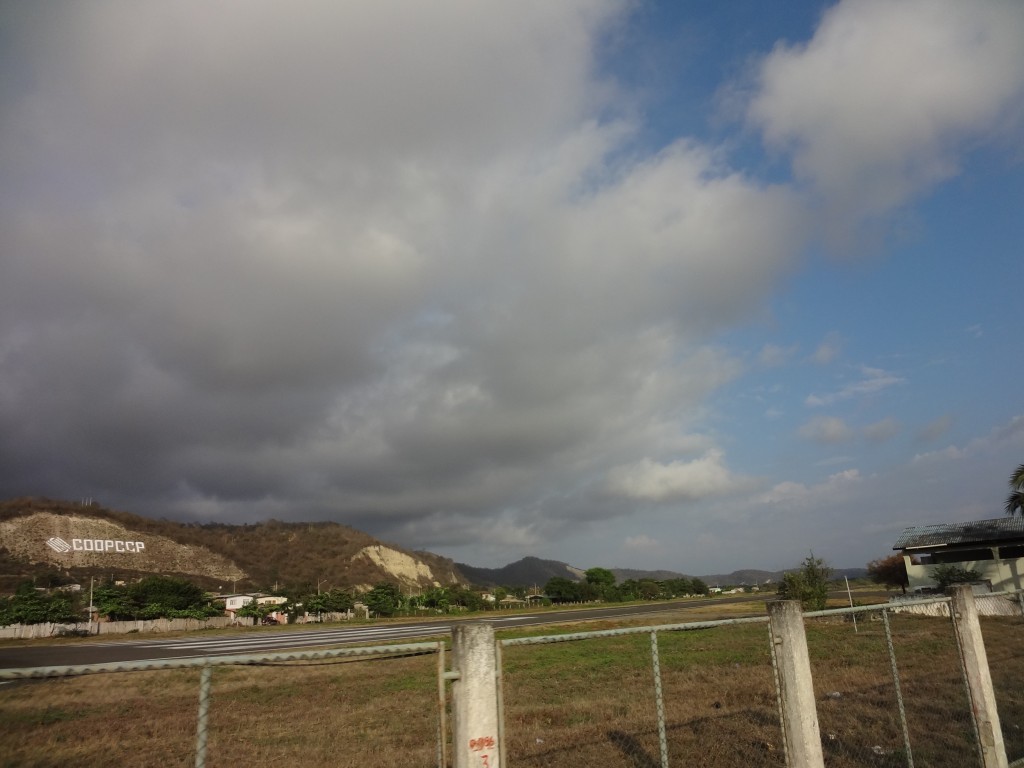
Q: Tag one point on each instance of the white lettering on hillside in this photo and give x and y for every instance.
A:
(101, 545)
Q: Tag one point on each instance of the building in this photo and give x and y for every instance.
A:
(993, 548)
(233, 602)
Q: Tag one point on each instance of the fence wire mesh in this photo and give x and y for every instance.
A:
(889, 690)
(1003, 646)
(942, 731)
(858, 711)
(596, 701)
(121, 718)
(346, 711)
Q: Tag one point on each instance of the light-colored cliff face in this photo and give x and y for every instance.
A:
(73, 541)
(401, 566)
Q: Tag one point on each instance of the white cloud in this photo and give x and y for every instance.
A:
(936, 429)
(828, 350)
(876, 105)
(773, 355)
(803, 495)
(415, 270)
(883, 430)
(826, 429)
(872, 380)
(1006, 439)
(949, 453)
(674, 481)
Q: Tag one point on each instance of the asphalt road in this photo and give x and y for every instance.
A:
(118, 648)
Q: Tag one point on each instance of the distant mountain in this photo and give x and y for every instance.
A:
(534, 571)
(527, 572)
(752, 576)
(625, 574)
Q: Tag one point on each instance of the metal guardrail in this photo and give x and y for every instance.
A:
(207, 663)
(405, 649)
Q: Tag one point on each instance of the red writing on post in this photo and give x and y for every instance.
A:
(484, 742)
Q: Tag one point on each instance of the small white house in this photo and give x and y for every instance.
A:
(233, 602)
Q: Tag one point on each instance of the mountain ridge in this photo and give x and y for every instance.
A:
(263, 555)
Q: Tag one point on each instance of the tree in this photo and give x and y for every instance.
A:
(1015, 501)
(676, 587)
(562, 590)
(338, 600)
(889, 571)
(649, 589)
(948, 574)
(599, 577)
(384, 599)
(30, 606)
(256, 610)
(153, 597)
(809, 585)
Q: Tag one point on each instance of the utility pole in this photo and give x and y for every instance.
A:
(91, 580)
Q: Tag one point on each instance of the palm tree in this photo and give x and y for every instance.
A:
(1015, 501)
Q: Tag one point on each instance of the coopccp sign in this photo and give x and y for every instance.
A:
(95, 545)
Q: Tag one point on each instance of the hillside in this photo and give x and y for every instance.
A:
(527, 572)
(41, 535)
(751, 576)
(627, 574)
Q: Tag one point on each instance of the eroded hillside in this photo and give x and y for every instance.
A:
(80, 541)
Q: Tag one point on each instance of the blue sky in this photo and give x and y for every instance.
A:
(695, 286)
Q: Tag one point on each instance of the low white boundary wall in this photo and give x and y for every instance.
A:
(31, 631)
(988, 605)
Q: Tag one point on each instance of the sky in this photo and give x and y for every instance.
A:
(691, 286)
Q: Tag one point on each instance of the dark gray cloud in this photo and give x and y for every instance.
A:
(388, 264)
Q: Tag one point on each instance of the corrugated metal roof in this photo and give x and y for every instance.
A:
(1000, 529)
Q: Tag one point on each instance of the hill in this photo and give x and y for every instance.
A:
(751, 576)
(626, 574)
(40, 536)
(528, 572)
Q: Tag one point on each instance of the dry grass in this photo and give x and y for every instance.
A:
(586, 703)
(380, 713)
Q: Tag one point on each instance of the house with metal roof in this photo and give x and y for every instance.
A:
(993, 548)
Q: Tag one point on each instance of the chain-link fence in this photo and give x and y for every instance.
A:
(379, 706)
(643, 696)
(1005, 652)
(889, 689)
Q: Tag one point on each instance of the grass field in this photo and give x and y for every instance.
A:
(581, 703)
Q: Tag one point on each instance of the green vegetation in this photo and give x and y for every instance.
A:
(383, 599)
(154, 597)
(948, 574)
(1015, 501)
(30, 606)
(809, 585)
(599, 584)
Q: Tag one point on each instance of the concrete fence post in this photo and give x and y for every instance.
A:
(978, 677)
(799, 711)
(475, 733)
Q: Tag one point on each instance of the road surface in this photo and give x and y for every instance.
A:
(118, 648)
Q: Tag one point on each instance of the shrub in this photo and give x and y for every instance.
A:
(948, 574)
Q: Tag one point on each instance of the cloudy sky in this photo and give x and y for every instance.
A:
(696, 286)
